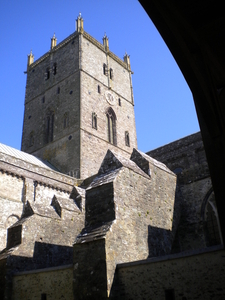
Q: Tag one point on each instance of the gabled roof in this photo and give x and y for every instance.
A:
(151, 160)
(113, 161)
(38, 209)
(111, 166)
(65, 203)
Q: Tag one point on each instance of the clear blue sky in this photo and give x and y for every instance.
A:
(164, 108)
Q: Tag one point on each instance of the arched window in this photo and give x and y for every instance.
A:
(111, 73)
(111, 126)
(127, 139)
(47, 74)
(211, 220)
(58, 90)
(105, 69)
(49, 127)
(94, 121)
(54, 69)
(31, 139)
(99, 89)
(65, 120)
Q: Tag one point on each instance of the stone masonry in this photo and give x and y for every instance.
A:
(83, 213)
(128, 213)
(70, 91)
(194, 196)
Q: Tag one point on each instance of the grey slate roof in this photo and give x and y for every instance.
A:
(23, 156)
(113, 161)
(93, 233)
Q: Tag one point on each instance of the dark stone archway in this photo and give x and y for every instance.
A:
(194, 32)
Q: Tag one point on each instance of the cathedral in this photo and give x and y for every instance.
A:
(84, 213)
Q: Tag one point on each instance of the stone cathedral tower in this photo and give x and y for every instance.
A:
(78, 103)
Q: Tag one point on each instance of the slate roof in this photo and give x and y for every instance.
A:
(93, 233)
(38, 209)
(67, 203)
(114, 161)
(24, 156)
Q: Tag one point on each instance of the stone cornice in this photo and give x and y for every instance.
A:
(45, 177)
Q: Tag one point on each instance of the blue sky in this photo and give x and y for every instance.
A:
(164, 108)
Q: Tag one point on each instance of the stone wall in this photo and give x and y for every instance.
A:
(54, 283)
(197, 275)
(64, 104)
(186, 157)
(24, 178)
(11, 203)
(70, 97)
(92, 102)
(129, 214)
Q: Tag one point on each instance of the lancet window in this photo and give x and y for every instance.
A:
(111, 126)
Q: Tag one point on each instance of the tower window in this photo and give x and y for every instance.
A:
(47, 74)
(31, 139)
(65, 120)
(43, 99)
(111, 73)
(169, 294)
(50, 127)
(105, 69)
(127, 139)
(119, 102)
(94, 121)
(43, 296)
(111, 124)
(54, 69)
(58, 90)
(99, 89)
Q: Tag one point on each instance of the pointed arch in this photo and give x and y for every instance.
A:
(94, 120)
(31, 139)
(111, 126)
(49, 126)
(211, 221)
(127, 139)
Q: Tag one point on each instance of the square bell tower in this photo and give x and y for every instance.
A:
(78, 104)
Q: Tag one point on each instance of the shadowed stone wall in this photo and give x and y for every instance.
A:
(186, 157)
(55, 283)
(196, 275)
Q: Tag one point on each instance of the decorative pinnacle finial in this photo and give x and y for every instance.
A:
(53, 41)
(106, 42)
(30, 58)
(79, 24)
